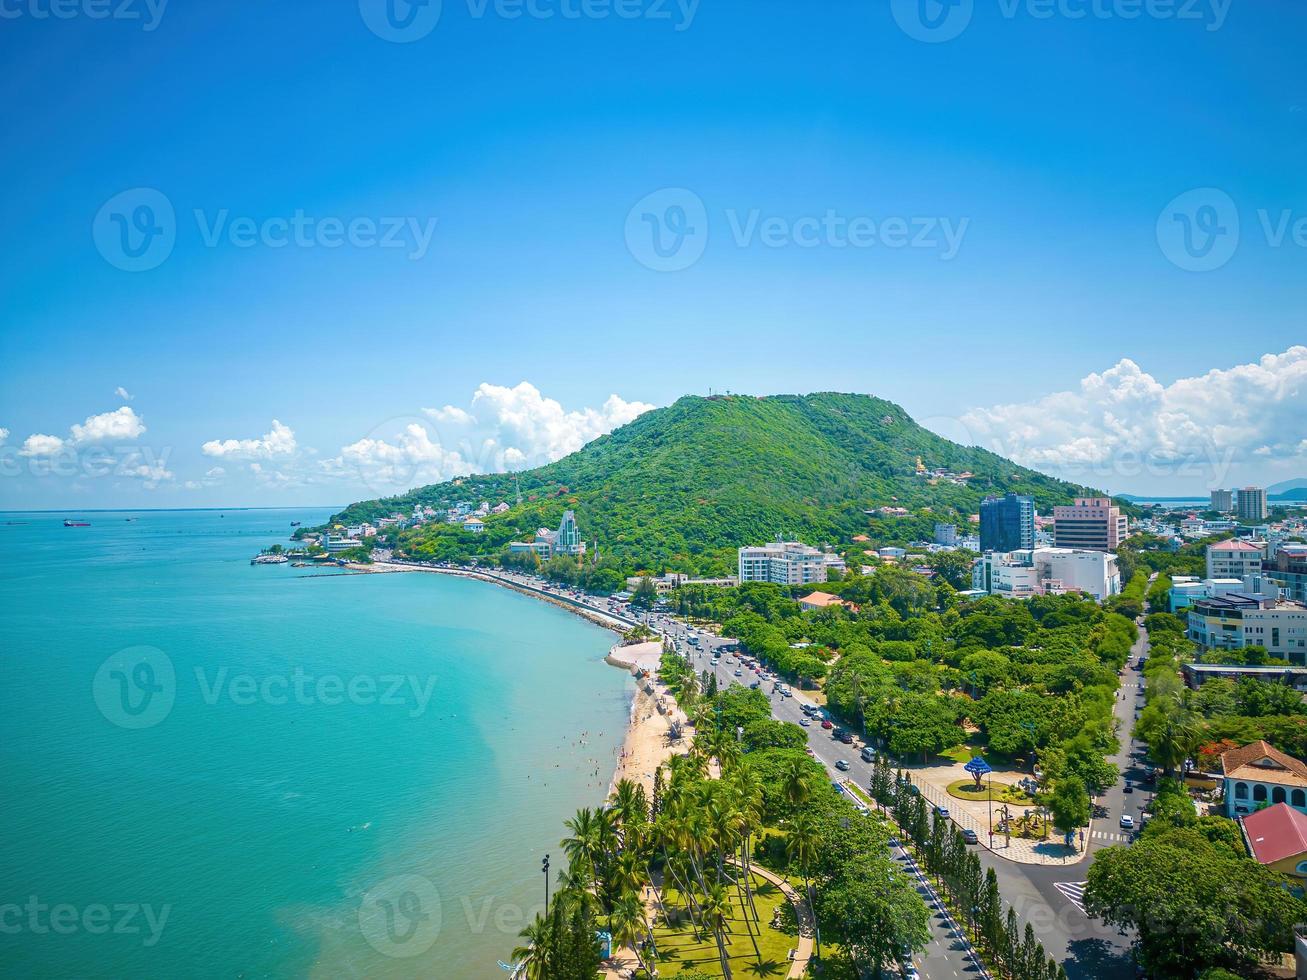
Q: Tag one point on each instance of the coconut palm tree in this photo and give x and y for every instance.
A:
(583, 845)
(532, 955)
(628, 924)
(797, 783)
(716, 914)
(801, 847)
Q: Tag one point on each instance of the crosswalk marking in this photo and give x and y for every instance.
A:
(1073, 892)
(1109, 836)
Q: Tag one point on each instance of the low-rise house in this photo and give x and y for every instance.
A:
(1277, 838)
(1259, 773)
(824, 600)
(474, 524)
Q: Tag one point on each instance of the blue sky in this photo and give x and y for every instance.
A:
(1012, 188)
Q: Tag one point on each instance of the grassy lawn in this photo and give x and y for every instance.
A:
(860, 793)
(681, 951)
(965, 789)
(959, 753)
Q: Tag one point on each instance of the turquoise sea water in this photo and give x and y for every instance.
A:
(214, 769)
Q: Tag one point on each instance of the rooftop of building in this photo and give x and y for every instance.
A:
(1276, 833)
(1234, 544)
(1262, 762)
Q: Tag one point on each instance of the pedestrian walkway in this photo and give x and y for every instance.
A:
(803, 948)
(1018, 849)
(1110, 837)
(1073, 892)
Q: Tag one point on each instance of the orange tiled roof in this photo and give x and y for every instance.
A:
(1264, 763)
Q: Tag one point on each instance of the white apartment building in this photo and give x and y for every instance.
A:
(1052, 571)
(1235, 558)
(782, 562)
(1238, 620)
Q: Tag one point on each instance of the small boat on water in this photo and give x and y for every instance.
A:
(269, 560)
(72, 523)
(294, 523)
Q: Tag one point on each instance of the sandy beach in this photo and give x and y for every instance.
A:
(647, 745)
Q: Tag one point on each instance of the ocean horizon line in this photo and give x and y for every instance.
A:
(165, 510)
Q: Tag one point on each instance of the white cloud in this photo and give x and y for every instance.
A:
(450, 414)
(523, 419)
(1124, 422)
(279, 441)
(122, 423)
(4, 434)
(151, 473)
(212, 476)
(502, 429)
(119, 425)
(41, 445)
(123, 393)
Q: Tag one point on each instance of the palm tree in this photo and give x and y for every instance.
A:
(797, 783)
(582, 847)
(749, 799)
(628, 924)
(532, 955)
(801, 848)
(716, 913)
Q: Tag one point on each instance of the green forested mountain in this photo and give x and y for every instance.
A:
(681, 487)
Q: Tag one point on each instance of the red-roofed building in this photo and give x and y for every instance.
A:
(1277, 838)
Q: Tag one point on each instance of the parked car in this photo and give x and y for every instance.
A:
(868, 754)
(844, 736)
(969, 836)
(739, 673)
(941, 811)
(805, 722)
(827, 724)
(842, 765)
(755, 685)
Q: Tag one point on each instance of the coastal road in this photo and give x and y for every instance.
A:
(1047, 896)
(948, 956)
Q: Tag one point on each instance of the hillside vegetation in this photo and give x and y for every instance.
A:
(681, 487)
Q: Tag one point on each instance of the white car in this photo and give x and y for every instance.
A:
(1127, 822)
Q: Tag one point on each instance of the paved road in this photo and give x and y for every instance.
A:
(1047, 896)
(947, 957)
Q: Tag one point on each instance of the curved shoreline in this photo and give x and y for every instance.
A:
(647, 743)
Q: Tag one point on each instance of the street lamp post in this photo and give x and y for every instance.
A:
(544, 867)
